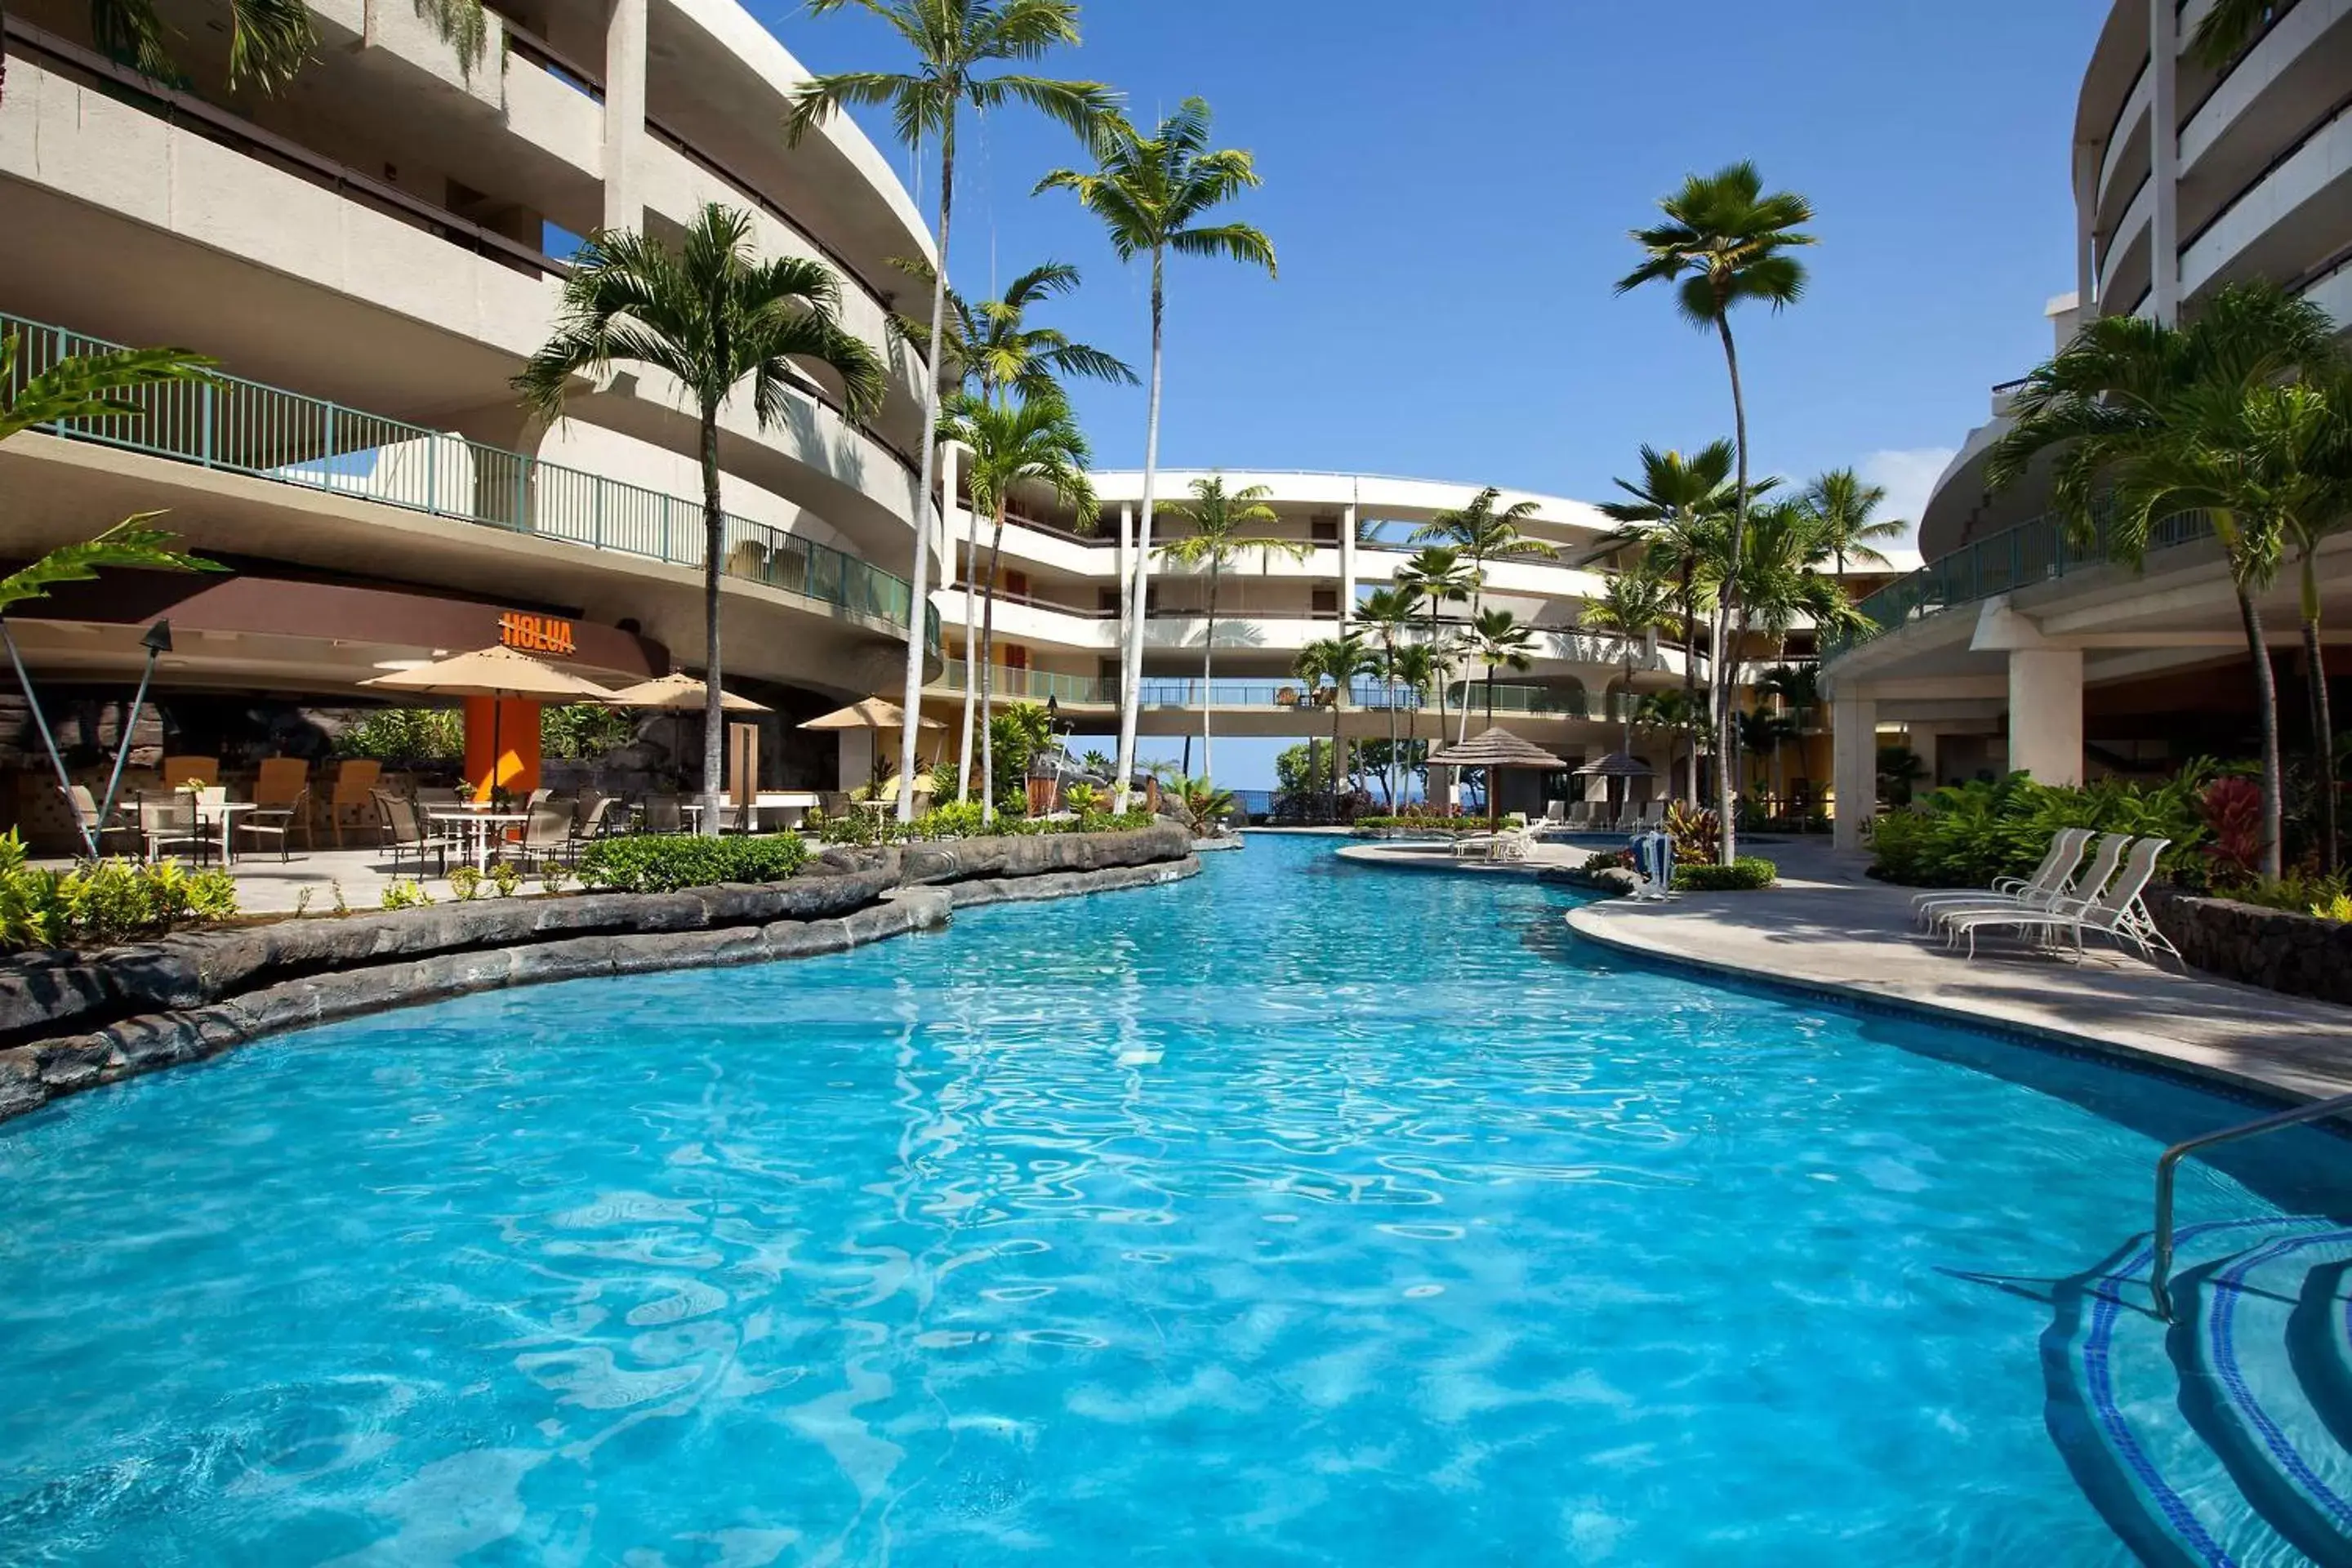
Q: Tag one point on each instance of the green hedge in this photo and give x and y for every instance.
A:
(663, 863)
(1745, 875)
(1965, 836)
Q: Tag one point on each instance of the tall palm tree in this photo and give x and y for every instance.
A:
(2179, 419)
(1150, 193)
(1499, 639)
(710, 315)
(955, 43)
(1632, 604)
(1216, 541)
(1481, 534)
(1797, 688)
(1437, 576)
(2318, 432)
(1725, 243)
(996, 351)
(1412, 671)
(1339, 659)
(1679, 517)
(2227, 29)
(1024, 441)
(1844, 511)
(1388, 614)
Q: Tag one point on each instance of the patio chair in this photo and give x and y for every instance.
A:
(2116, 911)
(167, 819)
(281, 797)
(662, 814)
(2047, 880)
(547, 830)
(353, 793)
(405, 833)
(178, 771)
(1556, 812)
(834, 803)
(1653, 815)
(85, 810)
(2088, 878)
(598, 816)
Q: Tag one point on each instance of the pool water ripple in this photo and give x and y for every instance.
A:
(1298, 1215)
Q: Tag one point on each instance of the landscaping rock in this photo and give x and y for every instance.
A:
(2277, 949)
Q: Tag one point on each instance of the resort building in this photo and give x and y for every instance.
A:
(2017, 645)
(370, 253)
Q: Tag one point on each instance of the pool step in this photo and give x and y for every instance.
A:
(2220, 1439)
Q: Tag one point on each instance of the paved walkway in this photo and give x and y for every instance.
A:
(1828, 926)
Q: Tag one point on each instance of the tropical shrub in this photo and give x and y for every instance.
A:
(2232, 810)
(1204, 806)
(405, 893)
(584, 730)
(1697, 834)
(1967, 835)
(2337, 909)
(1082, 799)
(1748, 874)
(466, 883)
(663, 863)
(954, 819)
(406, 734)
(103, 902)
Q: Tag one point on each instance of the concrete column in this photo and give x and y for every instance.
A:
(2086, 230)
(1347, 568)
(624, 112)
(857, 759)
(1854, 770)
(2164, 155)
(1924, 740)
(2045, 713)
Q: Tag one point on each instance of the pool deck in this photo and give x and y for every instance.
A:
(1826, 926)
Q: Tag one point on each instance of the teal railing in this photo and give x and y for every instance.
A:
(245, 427)
(2041, 550)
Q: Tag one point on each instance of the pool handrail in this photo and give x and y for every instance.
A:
(2160, 1274)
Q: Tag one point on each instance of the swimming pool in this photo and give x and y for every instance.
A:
(1300, 1214)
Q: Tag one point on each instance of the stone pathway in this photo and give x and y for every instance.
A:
(1826, 925)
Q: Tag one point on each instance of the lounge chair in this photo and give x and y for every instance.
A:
(2047, 881)
(2093, 875)
(2116, 910)
(281, 798)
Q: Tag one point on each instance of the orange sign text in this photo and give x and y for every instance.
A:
(536, 634)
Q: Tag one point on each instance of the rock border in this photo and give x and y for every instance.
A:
(84, 1021)
(2277, 949)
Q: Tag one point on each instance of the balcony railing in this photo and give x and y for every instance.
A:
(1085, 690)
(245, 427)
(2041, 550)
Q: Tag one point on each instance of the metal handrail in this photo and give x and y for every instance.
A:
(2159, 1276)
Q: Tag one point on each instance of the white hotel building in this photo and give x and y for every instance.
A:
(2013, 647)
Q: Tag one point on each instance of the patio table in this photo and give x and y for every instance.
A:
(478, 830)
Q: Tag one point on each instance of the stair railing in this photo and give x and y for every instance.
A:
(2159, 1276)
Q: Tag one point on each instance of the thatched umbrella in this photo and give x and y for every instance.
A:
(1495, 749)
(1618, 765)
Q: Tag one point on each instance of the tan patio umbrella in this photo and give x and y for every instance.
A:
(680, 694)
(1494, 749)
(871, 713)
(493, 672)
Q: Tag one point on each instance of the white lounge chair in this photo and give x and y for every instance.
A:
(2089, 880)
(2116, 910)
(2049, 880)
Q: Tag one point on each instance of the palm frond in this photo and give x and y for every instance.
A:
(90, 386)
(268, 41)
(129, 543)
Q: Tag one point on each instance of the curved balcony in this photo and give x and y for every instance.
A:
(2286, 210)
(1291, 696)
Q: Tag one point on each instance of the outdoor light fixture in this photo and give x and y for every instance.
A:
(157, 642)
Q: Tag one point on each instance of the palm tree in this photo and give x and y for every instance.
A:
(1841, 506)
(1480, 533)
(2228, 28)
(710, 315)
(2214, 416)
(2319, 431)
(1028, 440)
(1797, 688)
(1725, 243)
(1412, 671)
(1150, 193)
(1388, 614)
(1498, 640)
(954, 42)
(996, 351)
(1216, 539)
(1632, 606)
(1676, 712)
(1679, 517)
(1437, 576)
(1340, 660)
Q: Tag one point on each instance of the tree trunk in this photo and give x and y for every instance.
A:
(918, 584)
(1391, 781)
(1628, 701)
(1690, 677)
(2266, 699)
(1725, 797)
(971, 642)
(1478, 600)
(714, 550)
(1208, 675)
(987, 674)
(2323, 722)
(1131, 697)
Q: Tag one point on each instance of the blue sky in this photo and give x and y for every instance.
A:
(1448, 188)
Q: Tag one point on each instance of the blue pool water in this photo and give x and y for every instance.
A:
(1303, 1214)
